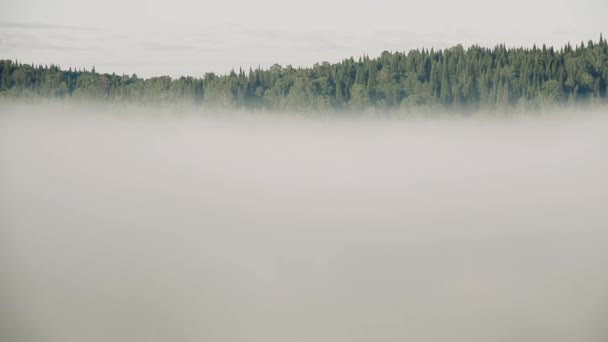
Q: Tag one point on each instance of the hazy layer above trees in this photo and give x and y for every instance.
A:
(466, 79)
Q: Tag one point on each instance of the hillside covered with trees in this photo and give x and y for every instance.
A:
(472, 79)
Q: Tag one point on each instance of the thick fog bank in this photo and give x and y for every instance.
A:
(185, 228)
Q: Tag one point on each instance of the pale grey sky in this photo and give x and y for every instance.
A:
(187, 37)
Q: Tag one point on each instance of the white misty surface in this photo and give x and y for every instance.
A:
(141, 227)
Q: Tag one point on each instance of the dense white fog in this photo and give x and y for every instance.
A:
(156, 227)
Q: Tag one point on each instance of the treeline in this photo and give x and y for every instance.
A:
(470, 79)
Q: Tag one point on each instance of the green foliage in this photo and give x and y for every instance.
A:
(359, 97)
(457, 78)
(552, 91)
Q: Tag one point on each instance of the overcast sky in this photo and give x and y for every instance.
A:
(189, 37)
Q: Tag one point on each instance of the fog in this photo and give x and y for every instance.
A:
(151, 226)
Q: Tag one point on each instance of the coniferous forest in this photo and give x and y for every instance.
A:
(472, 79)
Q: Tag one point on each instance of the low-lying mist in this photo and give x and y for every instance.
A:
(135, 227)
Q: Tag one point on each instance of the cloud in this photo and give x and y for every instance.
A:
(36, 26)
(162, 46)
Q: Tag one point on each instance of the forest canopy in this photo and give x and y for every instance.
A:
(471, 79)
